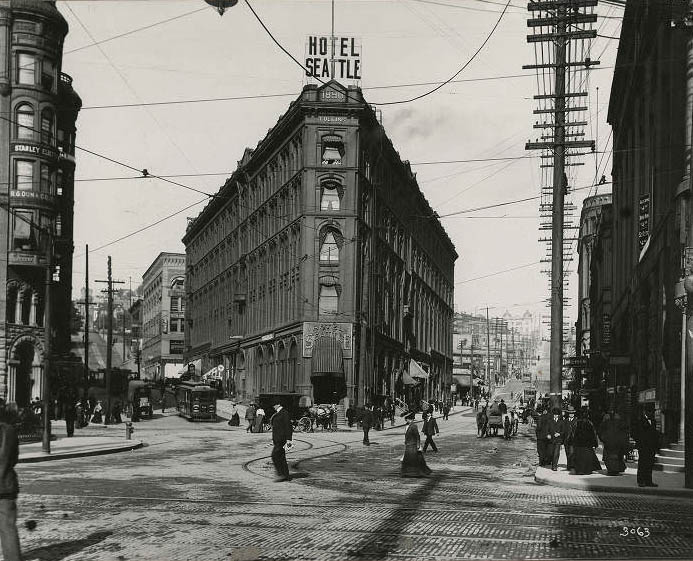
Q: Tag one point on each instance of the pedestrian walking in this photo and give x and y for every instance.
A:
(235, 419)
(70, 416)
(570, 424)
(584, 442)
(413, 463)
(430, 428)
(282, 433)
(259, 416)
(541, 430)
(350, 413)
(9, 486)
(446, 410)
(117, 410)
(615, 438)
(250, 417)
(556, 431)
(647, 443)
(367, 423)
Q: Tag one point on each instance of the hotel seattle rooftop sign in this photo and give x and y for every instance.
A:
(333, 58)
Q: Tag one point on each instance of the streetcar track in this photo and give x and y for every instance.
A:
(361, 504)
(565, 542)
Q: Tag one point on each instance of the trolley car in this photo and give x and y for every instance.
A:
(196, 401)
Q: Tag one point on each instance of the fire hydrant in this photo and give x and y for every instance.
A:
(128, 430)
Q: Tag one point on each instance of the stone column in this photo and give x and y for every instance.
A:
(18, 307)
(32, 310)
(37, 379)
(11, 382)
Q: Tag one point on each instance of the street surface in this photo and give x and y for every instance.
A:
(205, 492)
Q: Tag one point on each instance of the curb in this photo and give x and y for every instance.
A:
(584, 485)
(79, 453)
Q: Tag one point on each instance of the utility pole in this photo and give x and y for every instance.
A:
(48, 345)
(491, 385)
(86, 322)
(687, 299)
(556, 16)
(109, 339)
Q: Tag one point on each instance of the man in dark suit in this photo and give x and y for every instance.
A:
(543, 443)
(556, 432)
(366, 423)
(430, 427)
(281, 434)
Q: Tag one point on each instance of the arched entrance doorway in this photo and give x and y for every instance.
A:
(25, 373)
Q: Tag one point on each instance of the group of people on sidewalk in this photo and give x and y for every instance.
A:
(576, 433)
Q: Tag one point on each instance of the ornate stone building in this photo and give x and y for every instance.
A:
(38, 111)
(319, 268)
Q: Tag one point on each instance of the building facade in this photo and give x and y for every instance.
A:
(647, 111)
(37, 141)
(162, 316)
(319, 268)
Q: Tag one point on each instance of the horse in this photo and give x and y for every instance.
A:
(481, 424)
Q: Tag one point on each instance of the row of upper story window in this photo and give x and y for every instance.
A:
(33, 126)
(268, 190)
(36, 70)
(30, 228)
(40, 177)
(285, 251)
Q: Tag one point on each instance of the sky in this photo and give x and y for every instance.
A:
(135, 52)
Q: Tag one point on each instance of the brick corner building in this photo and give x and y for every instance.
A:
(37, 142)
(162, 313)
(319, 268)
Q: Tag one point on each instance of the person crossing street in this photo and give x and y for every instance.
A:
(430, 428)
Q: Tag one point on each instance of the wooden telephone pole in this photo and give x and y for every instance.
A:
(109, 339)
(567, 22)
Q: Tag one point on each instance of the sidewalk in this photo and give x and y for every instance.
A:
(670, 484)
(76, 446)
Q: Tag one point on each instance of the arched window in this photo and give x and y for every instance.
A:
(330, 197)
(47, 126)
(328, 300)
(332, 150)
(24, 119)
(329, 248)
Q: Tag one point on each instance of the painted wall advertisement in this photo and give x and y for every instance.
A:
(336, 58)
(343, 332)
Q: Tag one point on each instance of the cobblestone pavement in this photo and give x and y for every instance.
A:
(205, 492)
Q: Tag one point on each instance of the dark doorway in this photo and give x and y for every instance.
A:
(25, 355)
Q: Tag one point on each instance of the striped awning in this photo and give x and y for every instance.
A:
(416, 370)
(327, 359)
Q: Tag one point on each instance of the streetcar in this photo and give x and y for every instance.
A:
(196, 401)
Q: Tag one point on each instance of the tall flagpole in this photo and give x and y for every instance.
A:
(332, 43)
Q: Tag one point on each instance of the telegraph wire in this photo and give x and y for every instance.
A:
(440, 85)
(126, 33)
(499, 272)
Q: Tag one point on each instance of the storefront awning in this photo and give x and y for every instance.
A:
(416, 370)
(407, 380)
(327, 359)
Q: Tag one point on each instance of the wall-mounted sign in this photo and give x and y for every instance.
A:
(32, 195)
(606, 330)
(37, 150)
(333, 58)
(340, 331)
(643, 223)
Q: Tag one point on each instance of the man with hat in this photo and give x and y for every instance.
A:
(570, 424)
(543, 443)
(282, 432)
(556, 432)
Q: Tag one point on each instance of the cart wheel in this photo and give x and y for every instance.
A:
(304, 425)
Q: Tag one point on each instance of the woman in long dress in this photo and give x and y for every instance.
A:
(413, 463)
(584, 442)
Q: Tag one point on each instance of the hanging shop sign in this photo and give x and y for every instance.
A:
(606, 331)
(343, 332)
(644, 223)
(333, 58)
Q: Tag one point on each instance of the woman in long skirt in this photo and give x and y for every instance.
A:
(413, 463)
